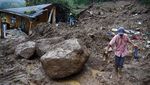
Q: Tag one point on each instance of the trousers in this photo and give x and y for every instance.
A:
(119, 61)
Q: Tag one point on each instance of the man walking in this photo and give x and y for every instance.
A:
(119, 42)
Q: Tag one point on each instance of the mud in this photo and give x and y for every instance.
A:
(92, 31)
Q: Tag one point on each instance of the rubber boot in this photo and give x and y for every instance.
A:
(119, 73)
(116, 71)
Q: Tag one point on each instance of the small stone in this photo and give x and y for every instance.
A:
(147, 46)
(137, 29)
(127, 31)
(139, 23)
(148, 42)
(137, 33)
(114, 30)
(131, 31)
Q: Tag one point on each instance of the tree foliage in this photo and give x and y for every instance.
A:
(72, 4)
(147, 2)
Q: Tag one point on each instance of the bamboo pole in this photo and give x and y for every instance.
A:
(30, 26)
(50, 15)
(0, 26)
(54, 16)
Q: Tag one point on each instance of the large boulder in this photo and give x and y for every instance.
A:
(26, 49)
(66, 58)
(44, 45)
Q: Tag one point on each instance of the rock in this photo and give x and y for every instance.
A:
(10, 43)
(139, 23)
(65, 59)
(148, 42)
(127, 31)
(114, 30)
(26, 49)
(136, 14)
(16, 34)
(137, 33)
(147, 46)
(137, 29)
(44, 45)
(132, 32)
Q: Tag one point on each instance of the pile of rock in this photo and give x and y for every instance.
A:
(59, 60)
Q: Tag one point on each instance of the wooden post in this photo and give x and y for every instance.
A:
(54, 16)
(0, 19)
(0, 26)
(50, 15)
(30, 26)
(17, 22)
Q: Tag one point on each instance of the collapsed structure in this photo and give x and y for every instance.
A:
(25, 18)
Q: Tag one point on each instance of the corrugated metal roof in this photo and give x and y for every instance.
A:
(38, 9)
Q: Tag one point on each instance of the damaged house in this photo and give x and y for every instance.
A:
(26, 18)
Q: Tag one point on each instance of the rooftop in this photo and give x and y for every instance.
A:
(30, 11)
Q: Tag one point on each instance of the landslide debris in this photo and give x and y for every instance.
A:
(94, 30)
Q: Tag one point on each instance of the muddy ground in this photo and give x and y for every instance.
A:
(92, 29)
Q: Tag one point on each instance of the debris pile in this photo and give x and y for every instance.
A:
(96, 27)
(15, 33)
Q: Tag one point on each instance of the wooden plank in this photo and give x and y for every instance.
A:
(54, 16)
(30, 26)
(50, 15)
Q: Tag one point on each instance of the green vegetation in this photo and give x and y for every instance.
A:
(74, 5)
(68, 3)
(147, 2)
(30, 12)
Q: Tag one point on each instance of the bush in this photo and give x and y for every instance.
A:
(29, 12)
(147, 2)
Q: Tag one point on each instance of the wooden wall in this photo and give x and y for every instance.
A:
(28, 23)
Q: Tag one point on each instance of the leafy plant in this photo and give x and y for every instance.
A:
(29, 12)
(147, 2)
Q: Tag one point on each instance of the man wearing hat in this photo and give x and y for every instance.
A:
(71, 19)
(119, 42)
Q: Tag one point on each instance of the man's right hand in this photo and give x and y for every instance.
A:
(107, 49)
(106, 52)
